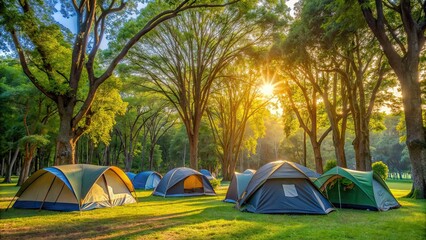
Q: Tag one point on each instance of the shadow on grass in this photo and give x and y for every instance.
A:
(102, 228)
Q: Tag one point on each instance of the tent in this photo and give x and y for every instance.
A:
(238, 185)
(307, 171)
(146, 180)
(249, 171)
(348, 188)
(75, 187)
(207, 173)
(130, 175)
(182, 182)
(281, 187)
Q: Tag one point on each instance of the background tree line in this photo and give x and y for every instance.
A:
(180, 85)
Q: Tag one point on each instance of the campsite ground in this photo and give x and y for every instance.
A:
(210, 218)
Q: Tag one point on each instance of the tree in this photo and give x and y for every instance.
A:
(234, 104)
(400, 28)
(59, 67)
(303, 100)
(185, 56)
(32, 112)
(303, 51)
(156, 126)
(357, 58)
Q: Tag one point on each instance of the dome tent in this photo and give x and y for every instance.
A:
(130, 175)
(207, 173)
(238, 185)
(348, 188)
(307, 171)
(281, 187)
(75, 187)
(182, 182)
(146, 180)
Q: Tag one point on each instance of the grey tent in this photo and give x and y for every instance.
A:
(307, 171)
(281, 187)
(238, 185)
(182, 182)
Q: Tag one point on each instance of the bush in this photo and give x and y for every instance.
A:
(215, 182)
(381, 169)
(330, 164)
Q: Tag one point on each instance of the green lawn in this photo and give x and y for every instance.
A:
(210, 218)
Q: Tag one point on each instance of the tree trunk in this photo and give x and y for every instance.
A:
(25, 171)
(193, 151)
(416, 139)
(65, 143)
(304, 148)
(151, 157)
(361, 145)
(10, 165)
(318, 157)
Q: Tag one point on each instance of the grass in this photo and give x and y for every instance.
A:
(210, 218)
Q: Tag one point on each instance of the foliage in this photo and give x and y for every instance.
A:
(381, 169)
(329, 164)
(107, 105)
(215, 182)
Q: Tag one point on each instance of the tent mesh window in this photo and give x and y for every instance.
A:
(290, 190)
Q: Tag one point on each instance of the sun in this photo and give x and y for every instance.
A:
(267, 89)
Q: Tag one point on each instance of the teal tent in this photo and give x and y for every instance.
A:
(238, 185)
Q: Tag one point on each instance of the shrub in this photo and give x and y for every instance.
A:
(215, 182)
(330, 164)
(381, 169)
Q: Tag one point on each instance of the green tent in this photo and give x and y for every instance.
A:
(348, 188)
(75, 187)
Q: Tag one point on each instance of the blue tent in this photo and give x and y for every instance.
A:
(130, 175)
(146, 180)
(207, 173)
(182, 182)
(281, 187)
(308, 172)
(238, 185)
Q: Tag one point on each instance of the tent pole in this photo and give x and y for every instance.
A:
(63, 184)
(10, 202)
(338, 187)
(106, 186)
(50, 187)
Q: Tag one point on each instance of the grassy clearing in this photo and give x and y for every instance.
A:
(210, 218)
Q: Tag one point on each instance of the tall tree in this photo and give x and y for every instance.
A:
(303, 99)
(185, 56)
(399, 27)
(59, 66)
(235, 103)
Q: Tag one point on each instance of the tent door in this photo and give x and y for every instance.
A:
(193, 184)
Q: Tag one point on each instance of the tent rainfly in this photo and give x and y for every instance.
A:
(281, 187)
(183, 182)
(75, 187)
(347, 188)
(207, 173)
(308, 172)
(146, 180)
(238, 185)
